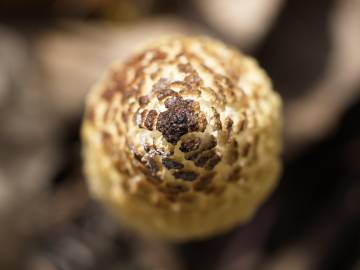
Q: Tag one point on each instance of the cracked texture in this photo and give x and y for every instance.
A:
(182, 140)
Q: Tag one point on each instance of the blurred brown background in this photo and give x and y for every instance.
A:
(52, 51)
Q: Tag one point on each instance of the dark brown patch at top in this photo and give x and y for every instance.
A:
(182, 116)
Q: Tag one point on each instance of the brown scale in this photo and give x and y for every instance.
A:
(152, 166)
(219, 99)
(90, 114)
(155, 74)
(115, 112)
(204, 157)
(154, 150)
(119, 128)
(204, 182)
(190, 144)
(158, 55)
(144, 100)
(148, 148)
(220, 95)
(111, 111)
(190, 92)
(180, 84)
(125, 116)
(133, 87)
(207, 69)
(150, 176)
(108, 94)
(143, 115)
(185, 68)
(233, 154)
(136, 154)
(235, 175)
(106, 114)
(174, 188)
(119, 79)
(135, 60)
(126, 95)
(188, 198)
(214, 54)
(120, 168)
(211, 143)
(206, 143)
(194, 79)
(254, 154)
(212, 162)
(246, 149)
(144, 188)
(117, 84)
(215, 190)
(161, 84)
(166, 92)
(185, 175)
(228, 127)
(225, 86)
(150, 120)
(243, 123)
(187, 89)
(106, 139)
(162, 203)
(215, 120)
(181, 117)
(135, 117)
(125, 186)
(171, 164)
(193, 155)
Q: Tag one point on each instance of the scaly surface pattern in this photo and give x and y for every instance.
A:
(182, 141)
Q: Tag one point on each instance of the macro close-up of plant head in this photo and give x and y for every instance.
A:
(180, 135)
